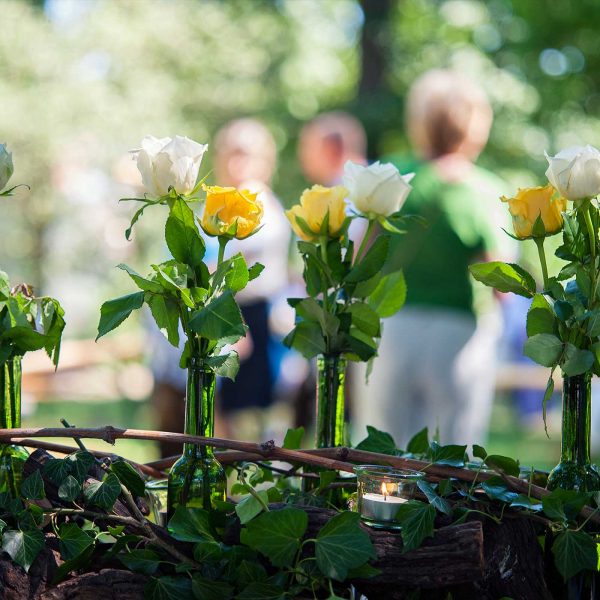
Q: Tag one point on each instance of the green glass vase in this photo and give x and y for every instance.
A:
(575, 470)
(197, 479)
(330, 425)
(12, 458)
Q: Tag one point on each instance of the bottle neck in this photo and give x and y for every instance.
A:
(330, 426)
(199, 407)
(576, 419)
(10, 394)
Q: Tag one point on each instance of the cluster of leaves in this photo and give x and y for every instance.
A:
(183, 294)
(28, 323)
(563, 322)
(269, 559)
(347, 296)
(575, 546)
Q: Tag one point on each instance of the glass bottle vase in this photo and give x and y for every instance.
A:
(12, 457)
(575, 470)
(330, 419)
(197, 479)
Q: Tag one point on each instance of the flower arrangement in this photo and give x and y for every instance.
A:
(349, 289)
(183, 294)
(563, 322)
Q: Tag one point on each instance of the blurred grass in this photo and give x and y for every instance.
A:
(528, 443)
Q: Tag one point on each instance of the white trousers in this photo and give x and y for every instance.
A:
(435, 369)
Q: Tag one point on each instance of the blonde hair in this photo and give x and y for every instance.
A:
(447, 112)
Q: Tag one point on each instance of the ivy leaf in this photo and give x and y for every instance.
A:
(261, 591)
(378, 441)
(503, 463)
(451, 455)
(419, 443)
(128, 476)
(293, 438)
(249, 507)
(190, 525)
(141, 561)
(79, 464)
(103, 493)
(69, 489)
(23, 546)
(168, 588)
(73, 541)
(565, 505)
(32, 488)
(277, 534)
(342, 545)
(496, 489)
(417, 520)
(56, 470)
(204, 588)
(114, 312)
(522, 501)
(574, 551)
(439, 503)
(479, 452)
(504, 277)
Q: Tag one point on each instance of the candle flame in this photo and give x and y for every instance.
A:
(384, 490)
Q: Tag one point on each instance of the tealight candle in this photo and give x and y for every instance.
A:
(381, 492)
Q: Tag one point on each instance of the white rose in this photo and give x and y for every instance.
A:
(575, 172)
(166, 162)
(377, 189)
(6, 166)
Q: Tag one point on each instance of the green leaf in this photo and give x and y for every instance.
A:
(32, 488)
(237, 277)
(417, 520)
(342, 545)
(81, 561)
(503, 463)
(307, 338)
(114, 312)
(540, 318)
(141, 561)
(574, 551)
(544, 348)
(389, 295)
(73, 541)
(182, 236)
(206, 589)
(365, 319)
(261, 591)
(218, 319)
(277, 534)
(547, 395)
(56, 470)
(439, 503)
(419, 443)
(249, 507)
(565, 505)
(255, 270)
(504, 277)
(79, 464)
(225, 365)
(103, 493)
(496, 489)
(293, 438)
(23, 546)
(378, 441)
(146, 285)
(165, 311)
(371, 263)
(522, 501)
(207, 551)
(576, 361)
(168, 588)
(451, 455)
(190, 525)
(479, 452)
(249, 572)
(128, 476)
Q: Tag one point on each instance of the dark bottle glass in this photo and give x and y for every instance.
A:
(197, 479)
(12, 457)
(575, 470)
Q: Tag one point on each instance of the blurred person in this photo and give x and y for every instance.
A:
(436, 363)
(245, 158)
(327, 142)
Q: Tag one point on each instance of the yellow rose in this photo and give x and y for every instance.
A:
(314, 205)
(227, 206)
(531, 203)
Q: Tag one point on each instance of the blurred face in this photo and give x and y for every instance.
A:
(235, 167)
(321, 158)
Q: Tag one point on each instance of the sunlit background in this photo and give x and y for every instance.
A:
(82, 81)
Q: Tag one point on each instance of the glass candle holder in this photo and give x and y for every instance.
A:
(156, 495)
(381, 492)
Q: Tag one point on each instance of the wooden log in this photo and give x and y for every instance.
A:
(15, 584)
(107, 584)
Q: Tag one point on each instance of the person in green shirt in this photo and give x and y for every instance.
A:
(436, 363)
